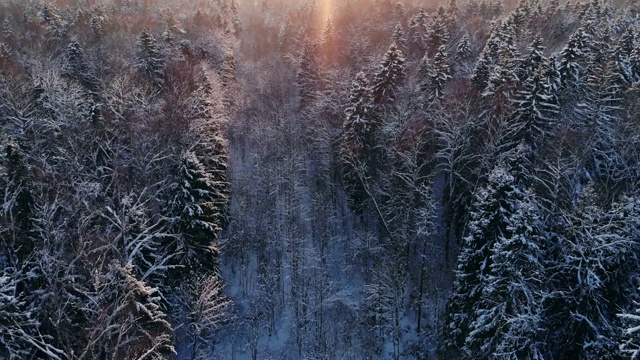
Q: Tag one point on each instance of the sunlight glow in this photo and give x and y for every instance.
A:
(326, 11)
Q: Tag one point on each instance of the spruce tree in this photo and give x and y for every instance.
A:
(150, 59)
(308, 77)
(482, 72)
(536, 109)
(491, 226)
(441, 73)
(438, 33)
(75, 66)
(197, 213)
(600, 117)
(389, 76)
(507, 318)
(569, 59)
(358, 139)
(418, 31)
(463, 50)
(399, 37)
(535, 58)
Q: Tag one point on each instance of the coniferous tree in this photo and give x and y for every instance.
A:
(535, 120)
(197, 215)
(308, 77)
(399, 37)
(358, 139)
(569, 65)
(506, 321)
(441, 73)
(600, 117)
(76, 67)
(150, 59)
(389, 76)
(482, 72)
(534, 59)
(492, 226)
(18, 205)
(463, 50)
(418, 31)
(438, 33)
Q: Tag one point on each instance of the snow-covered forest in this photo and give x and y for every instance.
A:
(319, 179)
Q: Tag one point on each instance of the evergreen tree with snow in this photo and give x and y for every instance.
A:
(76, 67)
(418, 32)
(438, 33)
(389, 76)
(399, 37)
(463, 50)
(150, 59)
(599, 114)
(441, 73)
(569, 59)
(18, 205)
(502, 217)
(358, 138)
(197, 214)
(534, 59)
(507, 318)
(308, 77)
(623, 51)
(535, 118)
(482, 72)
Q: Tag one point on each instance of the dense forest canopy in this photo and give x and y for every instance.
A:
(357, 179)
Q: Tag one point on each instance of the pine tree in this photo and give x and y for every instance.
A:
(308, 77)
(328, 33)
(503, 82)
(623, 51)
(535, 58)
(399, 37)
(150, 59)
(389, 76)
(506, 319)
(399, 12)
(358, 139)
(97, 27)
(569, 59)
(463, 51)
(482, 72)
(7, 31)
(600, 115)
(551, 74)
(197, 213)
(534, 120)
(18, 205)
(491, 226)
(418, 31)
(452, 10)
(441, 73)
(438, 33)
(360, 123)
(52, 20)
(634, 63)
(472, 9)
(75, 66)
